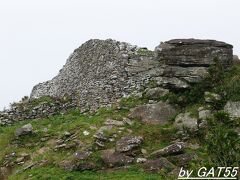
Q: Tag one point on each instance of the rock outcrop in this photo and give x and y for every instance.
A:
(112, 158)
(159, 113)
(102, 71)
(24, 130)
(194, 52)
(185, 120)
(173, 149)
(137, 132)
(233, 109)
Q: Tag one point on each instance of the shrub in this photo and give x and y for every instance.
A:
(230, 86)
(222, 142)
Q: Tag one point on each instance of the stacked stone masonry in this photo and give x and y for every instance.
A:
(100, 72)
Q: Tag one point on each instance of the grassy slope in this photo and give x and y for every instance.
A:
(155, 137)
(55, 173)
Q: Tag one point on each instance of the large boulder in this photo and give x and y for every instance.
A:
(24, 130)
(194, 52)
(103, 135)
(129, 144)
(112, 158)
(210, 97)
(233, 109)
(159, 113)
(71, 165)
(82, 155)
(172, 149)
(185, 120)
(203, 113)
(156, 93)
(172, 83)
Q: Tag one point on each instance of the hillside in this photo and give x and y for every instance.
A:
(178, 106)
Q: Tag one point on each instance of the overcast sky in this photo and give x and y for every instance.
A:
(37, 36)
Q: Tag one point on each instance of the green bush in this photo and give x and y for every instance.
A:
(222, 142)
(229, 88)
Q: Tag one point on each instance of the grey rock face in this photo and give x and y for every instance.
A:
(211, 97)
(82, 155)
(102, 135)
(172, 83)
(141, 160)
(189, 74)
(194, 52)
(24, 130)
(233, 109)
(100, 72)
(176, 148)
(112, 158)
(111, 122)
(184, 120)
(159, 113)
(128, 143)
(203, 114)
(71, 165)
(155, 93)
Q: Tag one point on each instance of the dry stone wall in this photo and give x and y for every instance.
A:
(101, 71)
(29, 110)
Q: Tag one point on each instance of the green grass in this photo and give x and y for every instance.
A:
(54, 173)
(26, 102)
(44, 99)
(229, 87)
(145, 52)
(73, 122)
(154, 136)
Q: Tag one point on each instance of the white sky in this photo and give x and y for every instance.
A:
(37, 36)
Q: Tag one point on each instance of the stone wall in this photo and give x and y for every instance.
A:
(100, 72)
(28, 109)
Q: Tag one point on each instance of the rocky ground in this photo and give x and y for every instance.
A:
(149, 136)
(117, 111)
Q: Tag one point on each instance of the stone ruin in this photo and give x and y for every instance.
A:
(100, 72)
